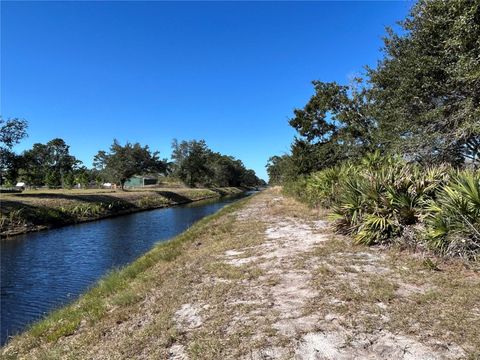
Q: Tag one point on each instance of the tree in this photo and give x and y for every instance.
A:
(335, 124)
(195, 164)
(69, 180)
(83, 176)
(11, 132)
(10, 166)
(191, 161)
(280, 169)
(426, 88)
(422, 101)
(249, 178)
(47, 163)
(34, 165)
(60, 160)
(52, 179)
(226, 170)
(122, 162)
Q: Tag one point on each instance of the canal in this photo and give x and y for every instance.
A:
(44, 270)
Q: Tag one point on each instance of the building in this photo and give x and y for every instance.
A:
(141, 181)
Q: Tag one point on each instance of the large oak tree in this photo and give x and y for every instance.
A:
(124, 161)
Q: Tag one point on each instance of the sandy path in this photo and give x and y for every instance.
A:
(280, 297)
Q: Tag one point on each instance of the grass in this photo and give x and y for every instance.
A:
(439, 303)
(39, 209)
(131, 312)
(121, 288)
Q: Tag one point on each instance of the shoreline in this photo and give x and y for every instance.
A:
(265, 275)
(119, 204)
(163, 252)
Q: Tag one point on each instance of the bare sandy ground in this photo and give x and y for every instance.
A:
(283, 292)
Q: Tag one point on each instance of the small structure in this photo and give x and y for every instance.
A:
(141, 181)
(21, 185)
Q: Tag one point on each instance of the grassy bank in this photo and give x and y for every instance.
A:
(267, 278)
(121, 289)
(35, 210)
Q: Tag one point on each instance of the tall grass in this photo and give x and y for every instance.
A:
(383, 198)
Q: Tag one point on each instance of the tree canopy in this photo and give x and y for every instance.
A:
(422, 100)
(122, 162)
(11, 132)
(426, 89)
(48, 164)
(196, 164)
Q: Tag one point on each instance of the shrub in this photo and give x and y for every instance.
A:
(378, 199)
(453, 219)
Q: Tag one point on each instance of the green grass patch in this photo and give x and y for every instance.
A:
(117, 286)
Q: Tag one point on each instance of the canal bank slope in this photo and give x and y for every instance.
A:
(266, 278)
(36, 210)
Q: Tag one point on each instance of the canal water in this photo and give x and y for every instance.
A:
(41, 271)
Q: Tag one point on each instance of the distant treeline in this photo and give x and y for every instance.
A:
(52, 165)
(395, 153)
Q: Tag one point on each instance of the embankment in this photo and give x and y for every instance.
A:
(39, 210)
(267, 278)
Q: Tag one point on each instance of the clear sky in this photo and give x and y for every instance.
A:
(227, 72)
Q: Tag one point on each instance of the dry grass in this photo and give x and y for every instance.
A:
(370, 290)
(236, 286)
(35, 210)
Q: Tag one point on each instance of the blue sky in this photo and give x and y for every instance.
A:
(227, 72)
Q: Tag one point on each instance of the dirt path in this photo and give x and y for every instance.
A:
(270, 280)
(282, 296)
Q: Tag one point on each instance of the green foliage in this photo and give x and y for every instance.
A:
(426, 86)
(52, 179)
(11, 132)
(421, 101)
(191, 158)
(296, 187)
(381, 196)
(196, 165)
(85, 210)
(454, 216)
(52, 165)
(335, 124)
(122, 162)
(82, 177)
(47, 164)
(69, 180)
(89, 210)
(280, 169)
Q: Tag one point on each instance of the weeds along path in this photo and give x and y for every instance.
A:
(269, 280)
(292, 310)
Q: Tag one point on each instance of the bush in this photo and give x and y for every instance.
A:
(454, 216)
(378, 199)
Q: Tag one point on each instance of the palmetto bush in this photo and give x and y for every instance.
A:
(322, 187)
(453, 218)
(378, 199)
